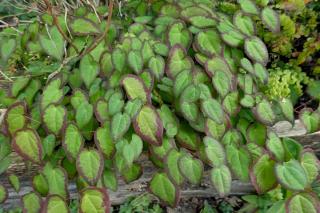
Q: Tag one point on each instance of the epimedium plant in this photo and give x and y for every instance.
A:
(293, 50)
(179, 81)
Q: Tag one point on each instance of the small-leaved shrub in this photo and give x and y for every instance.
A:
(179, 80)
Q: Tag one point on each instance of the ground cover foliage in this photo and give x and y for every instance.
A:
(181, 81)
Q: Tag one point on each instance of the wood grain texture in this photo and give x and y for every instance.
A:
(205, 189)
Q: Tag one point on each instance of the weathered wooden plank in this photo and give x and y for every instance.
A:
(283, 129)
(135, 188)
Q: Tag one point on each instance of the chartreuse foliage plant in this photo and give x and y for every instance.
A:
(179, 81)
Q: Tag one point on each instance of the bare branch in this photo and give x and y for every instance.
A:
(56, 23)
(96, 42)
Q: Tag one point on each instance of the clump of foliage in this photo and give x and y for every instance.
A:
(286, 82)
(141, 203)
(297, 44)
(179, 80)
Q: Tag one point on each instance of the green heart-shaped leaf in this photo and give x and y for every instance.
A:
(233, 38)
(209, 42)
(57, 180)
(247, 101)
(264, 113)
(135, 61)
(132, 173)
(110, 180)
(212, 109)
(262, 174)
(287, 109)
(179, 34)
(115, 103)
(148, 125)
(162, 151)
(72, 140)
(247, 65)
(257, 133)
(89, 70)
(160, 48)
(161, 186)
(135, 88)
(201, 21)
(118, 57)
(214, 129)
(3, 194)
(214, 151)
(77, 98)
(52, 43)
(147, 51)
(274, 145)
(230, 103)
(279, 207)
(170, 121)
(187, 137)
(216, 64)
(19, 85)
(302, 203)
(31, 202)
(14, 182)
(178, 61)
(101, 110)
(54, 118)
(232, 137)
(136, 146)
(26, 142)
(55, 203)
(172, 167)
(133, 107)
(7, 48)
(84, 114)
(148, 79)
(90, 165)
(156, 65)
(103, 140)
(193, 10)
(5, 151)
(310, 164)
(52, 93)
(221, 179)
(271, 19)
(292, 148)
(182, 80)
(119, 125)
(40, 184)
(310, 119)
(222, 82)
(84, 26)
(190, 110)
(239, 161)
(261, 73)
(255, 150)
(256, 50)
(15, 117)
(249, 7)
(106, 64)
(191, 94)
(314, 89)
(244, 24)
(94, 200)
(291, 175)
(131, 151)
(191, 168)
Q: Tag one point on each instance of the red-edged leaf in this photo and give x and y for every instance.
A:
(26, 142)
(148, 125)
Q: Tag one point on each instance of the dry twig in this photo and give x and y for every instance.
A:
(56, 23)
